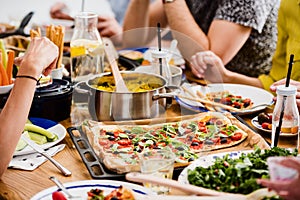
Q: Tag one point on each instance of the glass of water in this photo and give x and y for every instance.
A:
(157, 162)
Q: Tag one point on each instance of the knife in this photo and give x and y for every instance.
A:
(40, 150)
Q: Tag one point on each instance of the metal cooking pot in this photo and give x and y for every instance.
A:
(115, 106)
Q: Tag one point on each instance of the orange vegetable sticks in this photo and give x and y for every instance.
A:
(10, 64)
(3, 74)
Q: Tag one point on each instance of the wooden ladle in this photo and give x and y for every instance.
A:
(120, 84)
(194, 190)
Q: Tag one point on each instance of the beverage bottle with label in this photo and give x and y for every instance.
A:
(87, 50)
(286, 105)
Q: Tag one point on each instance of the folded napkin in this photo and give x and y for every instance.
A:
(32, 161)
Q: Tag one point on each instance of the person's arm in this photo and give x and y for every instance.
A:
(208, 65)
(40, 56)
(140, 15)
(192, 39)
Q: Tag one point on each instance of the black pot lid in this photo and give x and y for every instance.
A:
(58, 86)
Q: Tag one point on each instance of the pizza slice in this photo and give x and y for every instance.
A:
(229, 99)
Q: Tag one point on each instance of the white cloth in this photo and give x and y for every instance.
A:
(32, 161)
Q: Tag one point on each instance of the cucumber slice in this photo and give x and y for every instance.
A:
(37, 138)
(37, 129)
(21, 145)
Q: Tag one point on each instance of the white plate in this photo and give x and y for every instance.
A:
(82, 187)
(57, 129)
(255, 123)
(257, 95)
(206, 161)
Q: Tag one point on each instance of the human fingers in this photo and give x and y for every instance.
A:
(48, 69)
(274, 185)
(277, 83)
(198, 66)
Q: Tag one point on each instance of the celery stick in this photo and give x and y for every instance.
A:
(4, 54)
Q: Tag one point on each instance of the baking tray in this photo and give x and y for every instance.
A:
(93, 163)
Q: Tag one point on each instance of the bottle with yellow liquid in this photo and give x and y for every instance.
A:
(289, 132)
(87, 52)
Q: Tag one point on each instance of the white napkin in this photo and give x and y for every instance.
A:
(32, 161)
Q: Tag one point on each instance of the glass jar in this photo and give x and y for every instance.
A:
(87, 50)
(286, 105)
(160, 65)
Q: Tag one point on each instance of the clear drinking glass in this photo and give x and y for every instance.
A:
(87, 50)
(157, 162)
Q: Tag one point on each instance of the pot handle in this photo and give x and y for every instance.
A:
(174, 91)
(80, 90)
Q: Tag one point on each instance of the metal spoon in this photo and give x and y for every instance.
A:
(64, 189)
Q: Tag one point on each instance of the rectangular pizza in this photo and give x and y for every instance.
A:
(119, 146)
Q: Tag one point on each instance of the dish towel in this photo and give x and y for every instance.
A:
(32, 161)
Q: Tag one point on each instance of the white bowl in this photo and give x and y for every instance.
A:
(6, 88)
(176, 72)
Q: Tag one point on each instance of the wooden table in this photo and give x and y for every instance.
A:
(19, 184)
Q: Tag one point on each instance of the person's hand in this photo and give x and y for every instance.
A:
(292, 82)
(40, 57)
(56, 12)
(206, 64)
(108, 26)
(287, 189)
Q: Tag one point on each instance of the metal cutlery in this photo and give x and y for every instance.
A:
(63, 188)
(40, 150)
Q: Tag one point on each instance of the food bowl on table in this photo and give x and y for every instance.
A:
(6, 89)
(175, 71)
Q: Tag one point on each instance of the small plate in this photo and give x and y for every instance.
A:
(80, 188)
(255, 123)
(51, 126)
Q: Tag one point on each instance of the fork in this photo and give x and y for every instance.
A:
(64, 189)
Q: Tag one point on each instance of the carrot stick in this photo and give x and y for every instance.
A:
(10, 64)
(4, 75)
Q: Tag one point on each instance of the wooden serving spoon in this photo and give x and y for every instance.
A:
(194, 190)
(120, 84)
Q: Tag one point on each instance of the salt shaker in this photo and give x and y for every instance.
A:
(160, 65)
(286, 96)
(87, 50)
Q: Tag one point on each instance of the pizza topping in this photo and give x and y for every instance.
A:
(226, 98)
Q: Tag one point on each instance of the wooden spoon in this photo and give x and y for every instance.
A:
(189, 189)
(120, 84)
(194, 190)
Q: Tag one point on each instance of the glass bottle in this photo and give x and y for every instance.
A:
(286, 96)
(87, 50)
(160, 65)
